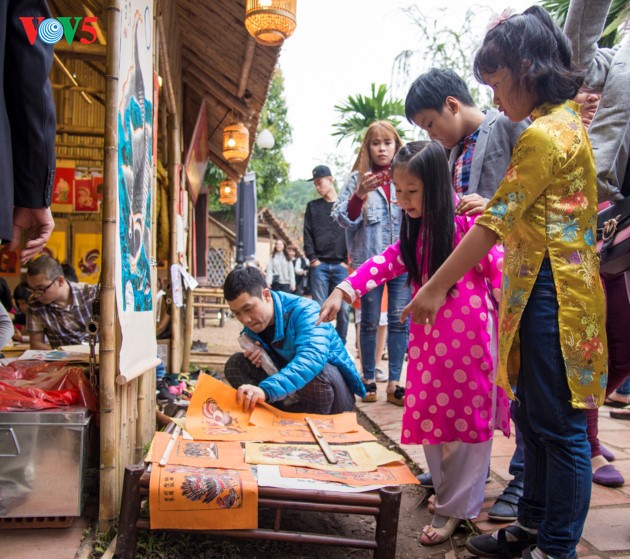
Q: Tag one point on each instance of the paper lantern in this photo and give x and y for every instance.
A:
(227, 192)
(235, 142)
(270, 22)
(265, 139)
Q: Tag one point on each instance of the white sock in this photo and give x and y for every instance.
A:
(537, 554)
(512, 538)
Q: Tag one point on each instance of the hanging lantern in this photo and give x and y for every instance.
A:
(227, 192)
(235, 142)
(270, 22)
(265, 139)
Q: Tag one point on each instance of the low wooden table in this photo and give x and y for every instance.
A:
(383, 504)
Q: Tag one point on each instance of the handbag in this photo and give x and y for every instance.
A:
(613, 238)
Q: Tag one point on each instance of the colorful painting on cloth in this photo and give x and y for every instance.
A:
(63, 187)
(185, 497)
(390, 474)
(362, 457)
(134, 294)
(206, 454)
(57, 246)
(9, 262)
(85, 197)
(86, 256)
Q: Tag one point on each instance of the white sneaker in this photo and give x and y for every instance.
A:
(380, 376)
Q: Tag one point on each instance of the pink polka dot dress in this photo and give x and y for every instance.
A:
(449, 394)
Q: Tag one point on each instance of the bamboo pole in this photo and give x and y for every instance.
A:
(107, 346)
(190, 311)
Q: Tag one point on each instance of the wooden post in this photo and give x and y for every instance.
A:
(387, 523)
(173, 179)
(107, 345)
(129, 513)
(190, 311)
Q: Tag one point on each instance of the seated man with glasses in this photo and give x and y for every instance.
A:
(58, 309)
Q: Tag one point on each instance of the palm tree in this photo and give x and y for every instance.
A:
(359, 111)
(613, 31)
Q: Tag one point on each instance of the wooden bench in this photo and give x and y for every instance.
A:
(383, 504)
(209, 299)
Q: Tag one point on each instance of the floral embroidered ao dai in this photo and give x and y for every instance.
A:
(546, 206)
(449, 393)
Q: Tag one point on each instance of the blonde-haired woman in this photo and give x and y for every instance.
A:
(366, 208)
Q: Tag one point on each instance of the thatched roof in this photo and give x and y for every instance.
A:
(210, 57)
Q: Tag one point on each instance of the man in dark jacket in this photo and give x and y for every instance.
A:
(311, 360)
(325, 245)
(27, 129)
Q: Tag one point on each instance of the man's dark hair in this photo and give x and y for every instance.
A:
(46, 265)
(244, 280)
(430, 90)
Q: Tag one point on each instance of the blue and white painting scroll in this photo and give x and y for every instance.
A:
(134, 296)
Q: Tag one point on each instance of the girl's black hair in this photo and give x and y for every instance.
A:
(434, 230)
(535, 51)
(5, 295)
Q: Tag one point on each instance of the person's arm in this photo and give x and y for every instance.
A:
(340, 209)
(6, 327)
(37, 341)
(309, 241)
(269, 271)
(291, 271)
(37, 224)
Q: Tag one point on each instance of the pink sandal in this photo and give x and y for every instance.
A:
(435, 536)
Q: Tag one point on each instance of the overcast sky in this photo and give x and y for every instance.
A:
(338, 49)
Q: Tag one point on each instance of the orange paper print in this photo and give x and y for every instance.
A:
(390, 474)
(185, 497)
(349, 458)
(202, 454)
(272, 418)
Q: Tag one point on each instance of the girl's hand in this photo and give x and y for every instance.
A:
(330, 307)
(471, 204)
(367, 184)
(425, 305)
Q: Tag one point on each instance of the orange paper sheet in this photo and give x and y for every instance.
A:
(213, 414)
(201, 454)
(390, 474)
(185, 497)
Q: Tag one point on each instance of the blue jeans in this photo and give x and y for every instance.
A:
(624, 389)
(398, 296)
(557, 476)
(324, 279)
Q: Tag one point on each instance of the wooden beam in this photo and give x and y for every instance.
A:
(78, 50)
(247, 65)
(79, 130)
(164, 56)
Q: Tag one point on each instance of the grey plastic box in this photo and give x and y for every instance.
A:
(43, 456)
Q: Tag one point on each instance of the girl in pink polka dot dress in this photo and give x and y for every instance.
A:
(452, 405)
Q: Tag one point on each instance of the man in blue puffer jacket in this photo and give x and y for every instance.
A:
(312, 362)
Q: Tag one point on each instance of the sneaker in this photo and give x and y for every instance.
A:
(491, 545)
(505, 508)
(425, 480)
(380, 375)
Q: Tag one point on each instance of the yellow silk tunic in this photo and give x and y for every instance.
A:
(546, 205)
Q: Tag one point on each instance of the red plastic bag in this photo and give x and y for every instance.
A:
(15, 398)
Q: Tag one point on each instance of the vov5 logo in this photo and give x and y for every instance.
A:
(51, 30)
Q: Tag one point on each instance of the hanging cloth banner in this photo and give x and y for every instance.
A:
(134, 293)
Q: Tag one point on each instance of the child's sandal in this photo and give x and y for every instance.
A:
(397, 397)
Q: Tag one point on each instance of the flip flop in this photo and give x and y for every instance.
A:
(616, 403)
(623, 413)
(435, 536)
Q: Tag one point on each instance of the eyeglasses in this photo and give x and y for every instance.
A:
(39, 291)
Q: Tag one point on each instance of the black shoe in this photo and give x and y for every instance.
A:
(425, 480)
(162, 392)
(505, 508)
(487, 546)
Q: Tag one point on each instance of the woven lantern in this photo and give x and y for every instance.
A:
(235, 142)
(270, 22)
(227, 192)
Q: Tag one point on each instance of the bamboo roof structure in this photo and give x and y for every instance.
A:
(206, 55)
